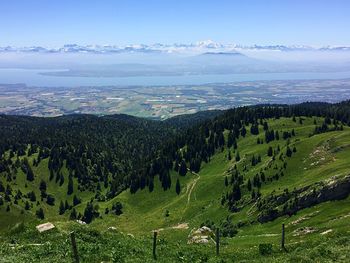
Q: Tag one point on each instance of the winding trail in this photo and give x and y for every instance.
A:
(192, 186)
(189, 189)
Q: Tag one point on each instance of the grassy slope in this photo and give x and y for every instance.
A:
(144, 211)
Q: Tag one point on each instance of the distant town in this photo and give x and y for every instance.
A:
(161, 102)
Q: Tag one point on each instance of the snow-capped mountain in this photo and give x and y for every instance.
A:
(196, 48)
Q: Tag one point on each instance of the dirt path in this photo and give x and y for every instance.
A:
(189, 189)
(192, 186)
(178, 226)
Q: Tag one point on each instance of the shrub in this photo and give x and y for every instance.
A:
(265, 249)
(117, 208)
(228, 229)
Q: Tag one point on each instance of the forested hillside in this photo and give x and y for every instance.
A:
(244, 171)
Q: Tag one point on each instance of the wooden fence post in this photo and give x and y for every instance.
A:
(283, 235)
(217, 241)
(154, 244)
(74, 247)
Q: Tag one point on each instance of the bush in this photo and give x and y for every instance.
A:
(117, 208)
(265, 249)
(228, 229)
(50, 200)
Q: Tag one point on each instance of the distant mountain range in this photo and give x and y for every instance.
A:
(207, 46)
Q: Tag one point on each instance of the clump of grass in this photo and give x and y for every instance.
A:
(265, 249)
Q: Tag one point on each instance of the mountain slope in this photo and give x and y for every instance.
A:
(316, 159)
(309, 155)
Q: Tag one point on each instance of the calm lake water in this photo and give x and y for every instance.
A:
(33, 78)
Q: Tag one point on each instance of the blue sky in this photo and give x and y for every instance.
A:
(54, 23)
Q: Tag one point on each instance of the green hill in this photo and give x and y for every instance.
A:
(259, 167)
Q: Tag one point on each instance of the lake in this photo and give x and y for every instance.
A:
(33, 77)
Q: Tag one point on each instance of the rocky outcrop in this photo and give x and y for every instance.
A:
(45, 227)
(200, 236)
(332, 189)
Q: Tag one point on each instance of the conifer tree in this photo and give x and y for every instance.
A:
(40, 213)
(249, 185)
(178, 187)
(269, 151)
(243, 131)
(237, 157)
(30, 174)
(73, 214)
(236, 192)
(76, 200)
(61, 208)
(183, 168)
(151, 185)
(70, 185)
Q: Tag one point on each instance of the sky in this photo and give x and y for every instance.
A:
(266, 22)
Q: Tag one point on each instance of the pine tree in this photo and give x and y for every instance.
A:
(236, 192)
(61, 179)
(50, 200)
(70, 185)
(183, 168)
(73, 214)
(31, 196)
(151, 185)
(253, 161)
(288, 152)
(254, 129)
(40, 213)
(88, 213)
(117, 208)
(76, 200)
(237, 157)
(266, 126)
(52, 175)
(235, 144)
(30, 174)
(61, 208)
(42, 189)
(42, 186)
(277, 135)
(243, 131)
(249, 185)
(178, 187)
(269, 151)
(230, 139)
(2, 188)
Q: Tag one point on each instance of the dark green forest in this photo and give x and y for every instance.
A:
(121, 151)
